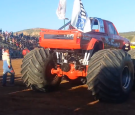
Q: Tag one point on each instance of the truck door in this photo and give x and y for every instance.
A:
(114, 39)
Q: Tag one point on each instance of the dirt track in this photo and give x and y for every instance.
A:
(19, 100)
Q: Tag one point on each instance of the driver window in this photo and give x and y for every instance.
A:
(95, 26)
(111, 29)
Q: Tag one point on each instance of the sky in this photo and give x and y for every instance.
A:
(18, 15)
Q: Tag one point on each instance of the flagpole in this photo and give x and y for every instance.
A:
(64, 24)
(61, 10)
(64, 21)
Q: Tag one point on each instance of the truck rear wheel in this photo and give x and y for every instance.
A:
(110, 75)
(36, 70)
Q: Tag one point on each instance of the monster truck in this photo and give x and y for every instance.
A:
(98, 58)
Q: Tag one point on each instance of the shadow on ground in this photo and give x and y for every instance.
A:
(19, 100)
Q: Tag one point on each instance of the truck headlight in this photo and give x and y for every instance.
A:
(126, 44)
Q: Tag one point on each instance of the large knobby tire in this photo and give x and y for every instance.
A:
(110, 75)
(36, 70)
(132, 54)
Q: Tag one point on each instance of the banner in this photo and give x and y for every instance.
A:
(61, 11)
(80, 19)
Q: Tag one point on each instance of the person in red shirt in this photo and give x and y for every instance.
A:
(25, 51)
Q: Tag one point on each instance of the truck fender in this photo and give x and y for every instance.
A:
(94, 42)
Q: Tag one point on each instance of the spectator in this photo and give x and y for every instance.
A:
(7, 67)
(25, 51)
(18, 41)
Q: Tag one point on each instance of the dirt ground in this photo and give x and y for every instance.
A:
(18, 100)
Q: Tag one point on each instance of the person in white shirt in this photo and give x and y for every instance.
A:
(7, 67)
(2, 51)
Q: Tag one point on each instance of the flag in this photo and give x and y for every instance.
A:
(80, 19)
(61, 11)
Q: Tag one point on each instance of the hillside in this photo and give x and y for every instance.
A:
(36, 31)
(31, 32)
(129, 35)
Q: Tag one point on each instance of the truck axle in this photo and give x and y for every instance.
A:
(72, 74)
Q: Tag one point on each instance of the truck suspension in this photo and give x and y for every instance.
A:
(72, 73)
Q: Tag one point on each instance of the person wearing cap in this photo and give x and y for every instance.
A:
(7, 67)
(3, 49)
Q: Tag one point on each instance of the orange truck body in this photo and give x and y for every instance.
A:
(78, 40)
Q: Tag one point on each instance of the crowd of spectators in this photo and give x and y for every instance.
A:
(17, 42)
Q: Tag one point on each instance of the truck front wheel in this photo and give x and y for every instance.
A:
(132, 54)
(110, 75)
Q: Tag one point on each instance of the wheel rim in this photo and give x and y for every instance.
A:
(126, 78)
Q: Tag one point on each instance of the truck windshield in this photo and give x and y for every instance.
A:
(94, 26)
